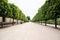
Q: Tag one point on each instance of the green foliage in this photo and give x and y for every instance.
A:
(28, 17)
(23, 17)
(4, 1)
(11, 11)
(49, 11)
(4, 9)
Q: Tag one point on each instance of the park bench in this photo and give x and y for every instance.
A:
(6, 23)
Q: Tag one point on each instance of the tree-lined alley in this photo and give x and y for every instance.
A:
(49, 11)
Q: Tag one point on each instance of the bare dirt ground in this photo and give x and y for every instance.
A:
(29, 31)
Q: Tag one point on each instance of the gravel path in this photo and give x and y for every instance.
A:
(29, 31)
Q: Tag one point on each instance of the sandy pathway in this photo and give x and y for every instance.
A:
(29, 31)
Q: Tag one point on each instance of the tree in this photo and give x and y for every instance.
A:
(14, 11)
(4, 1)
(49, 11)
(11, 11)
(4, 10)
(28, 17)
(53, 10)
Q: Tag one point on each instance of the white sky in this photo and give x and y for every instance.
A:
(28, 7)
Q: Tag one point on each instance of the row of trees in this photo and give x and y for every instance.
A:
(11, 11)
(49, 11)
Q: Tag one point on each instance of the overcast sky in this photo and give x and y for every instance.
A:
(28, 7)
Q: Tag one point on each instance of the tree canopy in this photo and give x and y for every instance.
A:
(50, 10)
(11, 11)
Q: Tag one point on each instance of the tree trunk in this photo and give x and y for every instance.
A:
(13, 21)
(3, 19)
(45, 23)
(55, 22)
